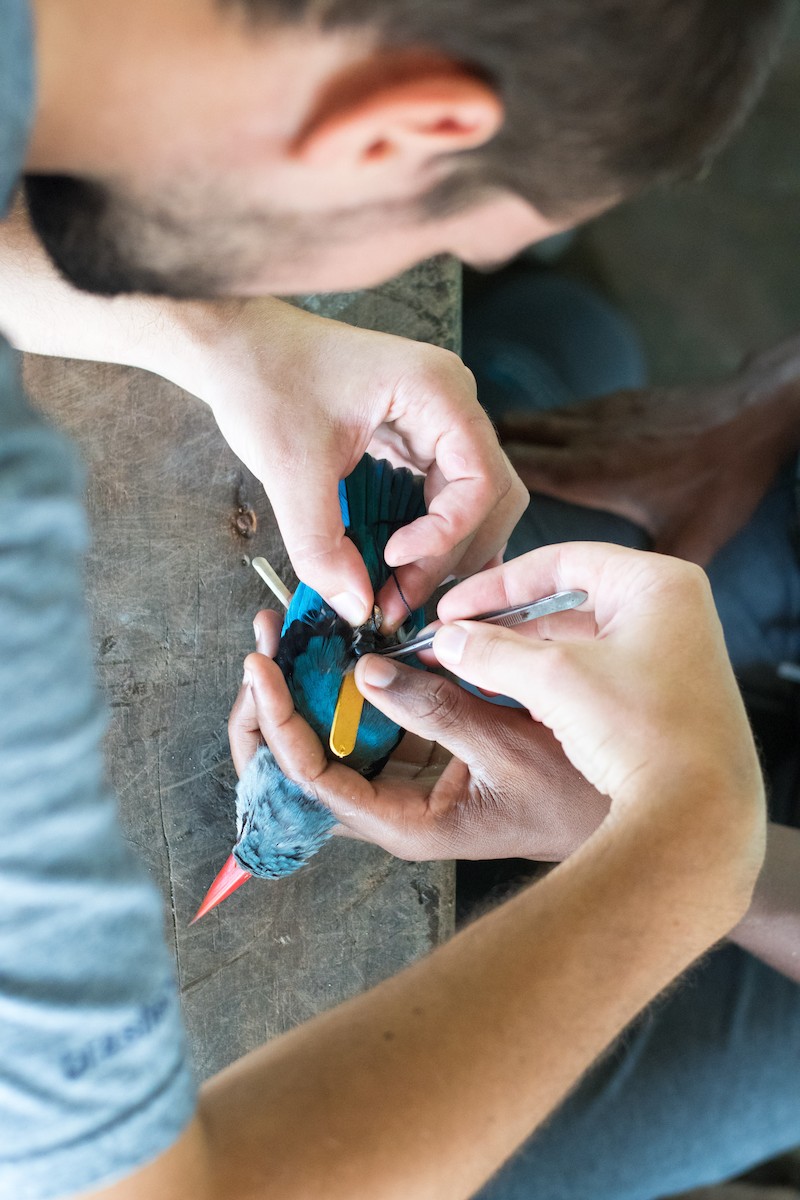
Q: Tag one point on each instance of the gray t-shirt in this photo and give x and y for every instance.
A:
(94, 1076)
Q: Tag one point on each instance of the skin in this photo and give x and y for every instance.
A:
(293, 162)
(544, 982)
(270, 371)
(182, 114)
(469, 780)
(270, 124)
(474, 780)
(688, 464)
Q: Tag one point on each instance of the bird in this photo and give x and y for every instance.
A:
(279, 826)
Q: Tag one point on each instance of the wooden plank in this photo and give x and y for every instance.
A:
(176, 520)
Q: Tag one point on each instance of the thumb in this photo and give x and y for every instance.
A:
(563, 685)
(426, 704)
(533, 672)
(310, 520)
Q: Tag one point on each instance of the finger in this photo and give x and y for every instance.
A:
(391, 822)
(540, 467)
(310, 520)
(295, 746)
(384, 814)
(698, 536)
(414, 755)
(611, 575)
(300, 755)
(244, 731)
(491, 538)
(403, 593)
(388, 443)
(692, 542)
(468, 478)
(586, 479)
(569, 472)
(267, 630)
(433, 707)
(486, 544)
(576, 424)
(500, 660)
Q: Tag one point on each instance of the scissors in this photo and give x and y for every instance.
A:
(507, 617)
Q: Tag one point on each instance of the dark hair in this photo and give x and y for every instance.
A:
(602, 97)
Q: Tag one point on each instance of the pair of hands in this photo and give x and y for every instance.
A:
(688, 464)
(300, 399)
(476, 780)
(626, 704)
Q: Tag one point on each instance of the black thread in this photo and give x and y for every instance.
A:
(402, 597)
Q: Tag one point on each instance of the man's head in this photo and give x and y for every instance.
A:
(224, 146)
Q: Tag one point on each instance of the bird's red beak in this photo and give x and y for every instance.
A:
(231, 877)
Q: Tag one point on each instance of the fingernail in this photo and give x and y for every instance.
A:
(449, 643)
(247, 678)
(257, 632)
(379, 672)
(351, 607)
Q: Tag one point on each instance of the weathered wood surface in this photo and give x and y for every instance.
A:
(176, 520)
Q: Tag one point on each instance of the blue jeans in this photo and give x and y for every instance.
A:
(706, 1082)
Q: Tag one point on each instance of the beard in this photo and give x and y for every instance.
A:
(195, 243)
(110, 243)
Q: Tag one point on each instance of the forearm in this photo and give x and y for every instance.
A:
(426, 1084)
(40, 313)
(771, 928)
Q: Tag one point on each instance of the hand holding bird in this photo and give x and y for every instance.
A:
(279, 824)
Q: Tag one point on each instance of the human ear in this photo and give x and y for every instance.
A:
(398, 108)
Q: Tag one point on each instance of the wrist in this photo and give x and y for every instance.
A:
(193, 343)
(704, 833)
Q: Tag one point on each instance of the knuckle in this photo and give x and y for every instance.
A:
(687, 578)
(518, 497)
(696, 580)
(554, 665)
(439, 703)
(469, 380)
(441, 370)
(311, 550)
(510, 491)
(502, 482)
(450, 362)
(489, 659)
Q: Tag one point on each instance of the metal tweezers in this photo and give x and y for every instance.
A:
(508, 617)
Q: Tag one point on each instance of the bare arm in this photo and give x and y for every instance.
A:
(292, 391)
(424, 1086)
(42, 314)
(771, 928)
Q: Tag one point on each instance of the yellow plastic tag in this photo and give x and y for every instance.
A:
(344, 729)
